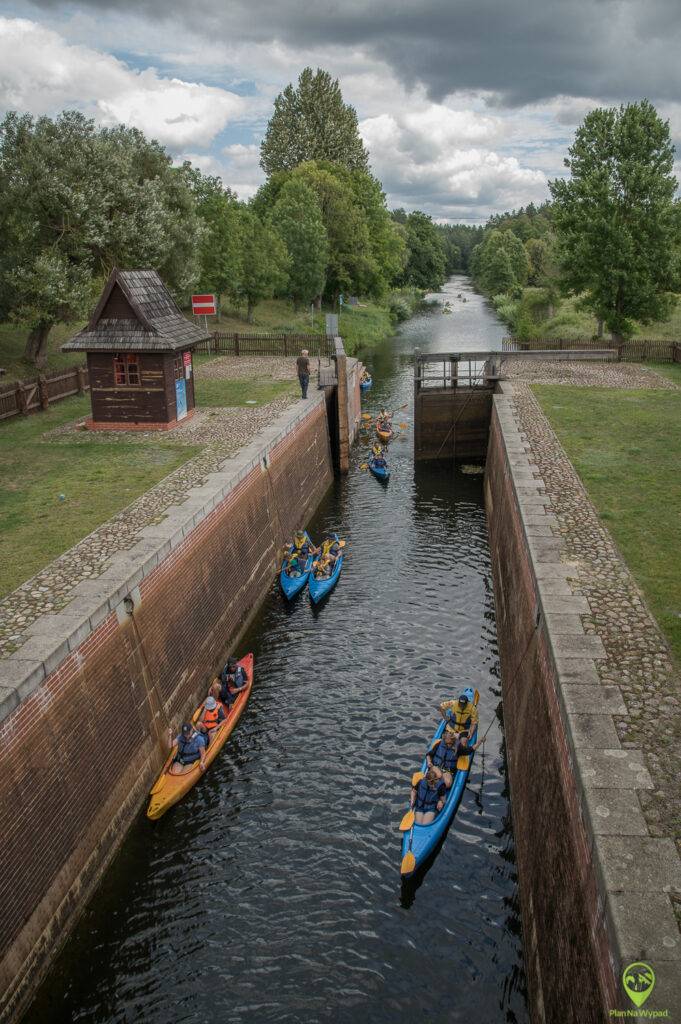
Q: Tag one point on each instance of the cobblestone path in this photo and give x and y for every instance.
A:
(638, 658)
(587, 374)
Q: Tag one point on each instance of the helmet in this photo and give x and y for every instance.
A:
(211, 703)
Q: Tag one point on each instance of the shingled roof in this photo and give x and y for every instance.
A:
(136, 313)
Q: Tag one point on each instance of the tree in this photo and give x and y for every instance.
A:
(265, 261)
(297, 218)
(75, 201)
(425, 266)
(220, 251)
(615, 216)
(500, 263)
(311, 122)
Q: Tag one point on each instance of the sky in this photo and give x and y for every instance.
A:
(467, 107)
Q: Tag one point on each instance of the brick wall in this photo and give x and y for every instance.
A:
(78, 755)
(567, 945)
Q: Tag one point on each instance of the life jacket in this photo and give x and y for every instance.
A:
(189, 750)
(460, 719)
(211, 718)
(445, 757)
(426, 798)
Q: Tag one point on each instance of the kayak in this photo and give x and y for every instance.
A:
(169, 788)
(380, 472)
(422, 839)
(366, 384)
(384, 435)
(320, 588)
(292, 585)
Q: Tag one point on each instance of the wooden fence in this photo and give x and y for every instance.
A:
(25, 396)
(633, 351)
(237, 344)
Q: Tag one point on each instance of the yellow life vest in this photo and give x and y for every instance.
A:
(460, 717)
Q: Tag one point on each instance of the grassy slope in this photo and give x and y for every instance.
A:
(360, 326)
(571, 322)
(97, 480)
(626, 447)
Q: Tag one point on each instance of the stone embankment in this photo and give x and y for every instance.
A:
(592, 708)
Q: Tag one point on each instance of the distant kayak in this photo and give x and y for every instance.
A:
(421, 840)
(170, 787)
(380, 472)
(292, 585)
(320, 587)
(384, 435)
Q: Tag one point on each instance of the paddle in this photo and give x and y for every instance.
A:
(407, 821)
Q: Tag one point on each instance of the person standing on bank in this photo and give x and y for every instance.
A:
(303, 366)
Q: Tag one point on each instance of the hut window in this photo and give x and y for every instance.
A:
(179, 368)
(126, 369)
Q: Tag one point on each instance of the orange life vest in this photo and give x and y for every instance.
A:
(210, 718)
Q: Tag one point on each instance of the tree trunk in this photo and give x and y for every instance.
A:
(600, 328)
(36, 344)
(318, 303)
(249, 312)
(618, 339)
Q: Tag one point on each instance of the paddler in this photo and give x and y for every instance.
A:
(376, 451)
(212, 715)
(428, 798)
(444, 755)
(461, 715)
(232, 681)
(295, 566)
(302, 544)
(191, 747)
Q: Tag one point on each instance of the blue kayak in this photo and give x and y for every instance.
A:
(380, 472)
(422, 839)
(320, 588)
(292, 585)
(366, 384)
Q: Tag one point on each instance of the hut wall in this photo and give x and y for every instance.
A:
(144, 403)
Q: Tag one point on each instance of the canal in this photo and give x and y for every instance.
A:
(272, 892)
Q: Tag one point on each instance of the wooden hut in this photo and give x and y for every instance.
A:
(139, 355)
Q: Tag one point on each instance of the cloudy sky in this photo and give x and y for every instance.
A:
(466, 106)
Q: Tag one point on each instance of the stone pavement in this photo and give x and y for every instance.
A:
(222, 431)
(587, 374)
(638, 659)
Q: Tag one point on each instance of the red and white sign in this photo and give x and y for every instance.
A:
(204, 305)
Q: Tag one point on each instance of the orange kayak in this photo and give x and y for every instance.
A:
(384, 435)
(170, 787)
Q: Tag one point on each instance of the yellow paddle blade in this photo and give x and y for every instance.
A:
(403, 426)
(341, 543)
(476, 697)
(366, 416)
(408, 863)
(364, 466)
(407, 821)
(416, 778)
(462, 763)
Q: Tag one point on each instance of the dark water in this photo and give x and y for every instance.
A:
(272, 892)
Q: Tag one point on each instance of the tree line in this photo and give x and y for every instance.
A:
(76, 200)
(611, 233)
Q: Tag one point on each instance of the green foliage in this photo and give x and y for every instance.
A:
(297, 217)
(265, 261)
(459, 240)
(75, 201)
(311, 122)
(426, 262)
(616, 220)
(500, 264)
(220, 252)
(528, 222)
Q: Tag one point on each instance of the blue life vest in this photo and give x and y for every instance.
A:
(427, 798)
(189, 750)
(445, 757)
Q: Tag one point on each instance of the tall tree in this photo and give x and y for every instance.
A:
(426, 264)
(615, 217)
(311, 122)
(75, 201)
(220, 251)
(297, 218)
(500, 263)
(265, 261)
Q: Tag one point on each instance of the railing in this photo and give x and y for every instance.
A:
(25, 396)
(634, 351)
(238, 344)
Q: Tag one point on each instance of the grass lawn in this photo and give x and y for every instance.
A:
(571, 322)
(241, 392)
(96, 479)
(626, 447)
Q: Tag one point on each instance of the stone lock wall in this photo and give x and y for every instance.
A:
(86, 704)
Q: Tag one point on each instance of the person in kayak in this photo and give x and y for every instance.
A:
(232, 681)
(191, 747)
(212, 715)
(428, 798)
(444, 754)
(376, 451)
(323, 567)
(302, 545)
(461, 715)
(379, 461)
(296, 565)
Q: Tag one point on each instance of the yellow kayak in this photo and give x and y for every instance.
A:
(171, 786)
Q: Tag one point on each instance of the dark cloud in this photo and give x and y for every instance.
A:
(519, 51)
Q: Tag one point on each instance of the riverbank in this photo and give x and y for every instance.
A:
(362, 326)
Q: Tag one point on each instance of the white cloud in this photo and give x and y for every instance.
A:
(41, 73)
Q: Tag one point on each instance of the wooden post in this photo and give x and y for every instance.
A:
(21, 399)
(236, 345)
(285, 345)
(80, 379)
(676, 352)
(43, 392)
